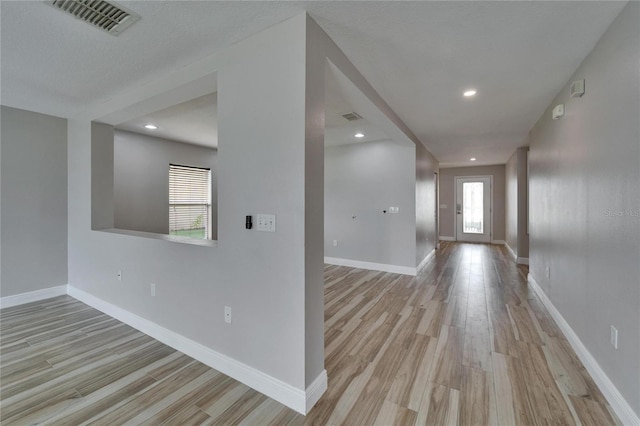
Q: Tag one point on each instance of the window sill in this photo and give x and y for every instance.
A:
(163, 237)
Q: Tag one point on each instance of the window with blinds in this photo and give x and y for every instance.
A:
(189, 201)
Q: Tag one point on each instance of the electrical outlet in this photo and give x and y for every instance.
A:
(548, 273)
(614, 337)
(153, 289)
(119, 275)
(227, 314)
(335, 243)
(394, 209)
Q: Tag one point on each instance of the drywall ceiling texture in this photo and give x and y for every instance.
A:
(419, 56)
(193, 122)
(34, 201)
(585, 204)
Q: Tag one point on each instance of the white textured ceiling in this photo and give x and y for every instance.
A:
(418, 55)
(194, 122)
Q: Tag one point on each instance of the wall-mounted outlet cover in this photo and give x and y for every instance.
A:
(614, 337)
(152, 288)
(335, 243)
(394, 209)
(266, 222)
(227, 314)
(119, 275)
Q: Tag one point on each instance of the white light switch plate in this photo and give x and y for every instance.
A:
(394, 209)
(266, 222)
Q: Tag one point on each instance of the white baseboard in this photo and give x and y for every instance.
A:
(518, 260)
(499, 242)
(315, 390)
(294, 398)
(426, 260)
(32, 296)
(445, 238)
(620, 406)
(405, 270)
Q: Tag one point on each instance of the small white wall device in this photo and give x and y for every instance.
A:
(557, 112)
(577, 89)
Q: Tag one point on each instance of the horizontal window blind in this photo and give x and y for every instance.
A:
(189, 201)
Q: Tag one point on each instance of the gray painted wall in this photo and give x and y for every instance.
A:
(516, 203)
(269, 164)
(261, 169)
(362, 180)
(141, 179)
(426, 203)
(102, 210)
(447, 197)
(511, 202)
(523, 202)
(316, 64)
(585, 204)
(380, 111)
(33, 224)
(320, 51)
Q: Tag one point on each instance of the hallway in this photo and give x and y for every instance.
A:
(465, 342)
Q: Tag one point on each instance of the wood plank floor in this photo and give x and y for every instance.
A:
(465, 342)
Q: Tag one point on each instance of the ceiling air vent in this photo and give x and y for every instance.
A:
(352, 116)
(108, 16)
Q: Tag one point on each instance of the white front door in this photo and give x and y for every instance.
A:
(473, 209)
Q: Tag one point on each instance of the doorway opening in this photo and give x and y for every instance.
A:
(474, 217)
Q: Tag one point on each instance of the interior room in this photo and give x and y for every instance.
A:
(320, 212)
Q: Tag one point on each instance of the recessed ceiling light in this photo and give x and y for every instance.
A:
(359, 135)
(469, 93)
(150, 127)
(472, 159)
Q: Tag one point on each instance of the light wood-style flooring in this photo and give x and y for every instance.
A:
(465, 342)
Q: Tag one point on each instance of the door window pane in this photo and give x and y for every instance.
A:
(472, 211)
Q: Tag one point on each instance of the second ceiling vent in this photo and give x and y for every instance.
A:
(352, 116)
(107, 16)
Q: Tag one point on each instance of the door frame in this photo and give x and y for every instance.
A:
(455, 199)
